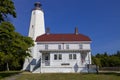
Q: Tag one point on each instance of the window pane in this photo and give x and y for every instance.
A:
(46, 47)
(55, 57)
(81, 46)
(60, 56)
(74, 56)
(59, 47)
(67, 46)
(46, 57)
(70, 56)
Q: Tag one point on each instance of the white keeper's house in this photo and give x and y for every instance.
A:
(56, 53)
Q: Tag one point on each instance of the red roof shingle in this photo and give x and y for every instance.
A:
(62, 37)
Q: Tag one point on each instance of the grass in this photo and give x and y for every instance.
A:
(8, 73)
(68, 76)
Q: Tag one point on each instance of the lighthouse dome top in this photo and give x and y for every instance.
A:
(37, 6)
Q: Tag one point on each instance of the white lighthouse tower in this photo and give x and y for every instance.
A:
(37, 28)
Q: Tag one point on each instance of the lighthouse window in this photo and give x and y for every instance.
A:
(32, 26)
(33, 13)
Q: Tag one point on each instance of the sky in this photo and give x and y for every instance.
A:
(98, 19)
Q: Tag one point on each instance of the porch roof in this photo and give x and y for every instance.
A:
(63, 51)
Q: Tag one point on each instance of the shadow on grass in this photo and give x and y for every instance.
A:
(8, 73)
(110, 73)
(103, 73)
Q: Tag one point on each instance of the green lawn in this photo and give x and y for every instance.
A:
(8, 73)
(70, 76)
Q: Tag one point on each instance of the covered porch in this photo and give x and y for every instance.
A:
(48, 64)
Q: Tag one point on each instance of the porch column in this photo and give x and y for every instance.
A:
(89, 57)
(41, 64)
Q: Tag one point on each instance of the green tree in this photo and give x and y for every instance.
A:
(96, 61)
(105, 60)
(105, 54)
(114, 61)
(13, 46)
(117, 54)
(6, 8)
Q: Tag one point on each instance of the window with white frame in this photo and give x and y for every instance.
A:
(67, 46)
(80, 46)
(46, 47)
(59, 47)
(60, 56)
(72, 56)
(57, 56)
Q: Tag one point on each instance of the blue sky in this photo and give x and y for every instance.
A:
(98, 19)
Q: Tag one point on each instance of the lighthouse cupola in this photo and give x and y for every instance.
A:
(37, 6)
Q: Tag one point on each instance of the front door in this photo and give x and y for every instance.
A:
(46, 59)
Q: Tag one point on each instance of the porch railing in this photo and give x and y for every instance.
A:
(65, 50)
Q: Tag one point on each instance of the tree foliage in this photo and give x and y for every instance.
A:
(6, 8)
(13, 46)
(105, 60)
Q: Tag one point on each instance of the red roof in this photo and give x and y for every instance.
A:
(62, 37)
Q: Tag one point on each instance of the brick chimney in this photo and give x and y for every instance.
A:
(48, 31)
(76, 31)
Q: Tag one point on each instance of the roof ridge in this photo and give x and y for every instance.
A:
(63, 37)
